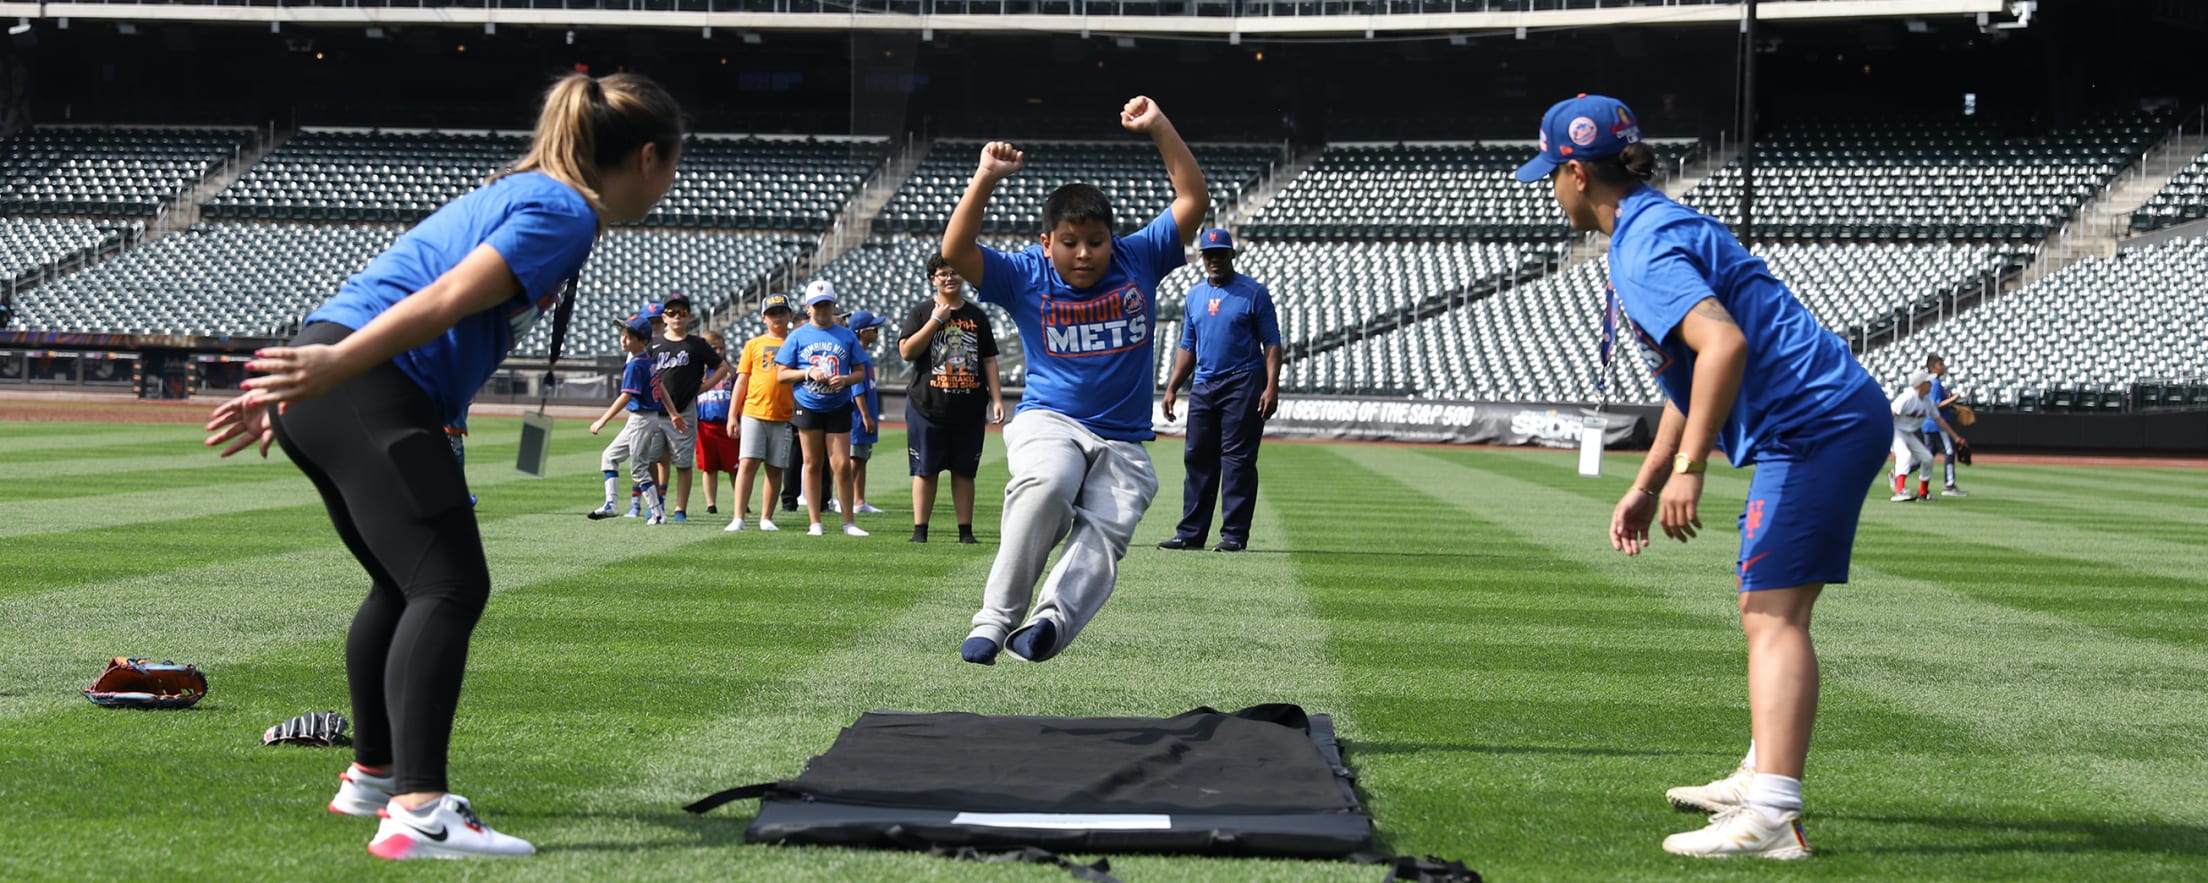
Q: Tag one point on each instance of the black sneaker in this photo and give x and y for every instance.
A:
(1177, 544)
(969, 539)
(712, 510)
(1228, 546)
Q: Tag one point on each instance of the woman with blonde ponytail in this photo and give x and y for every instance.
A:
(359, 400)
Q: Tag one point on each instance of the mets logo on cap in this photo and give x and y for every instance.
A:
(1582, 131)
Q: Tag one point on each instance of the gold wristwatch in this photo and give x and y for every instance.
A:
(1682, 464)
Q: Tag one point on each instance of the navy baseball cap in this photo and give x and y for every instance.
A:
(1216, 238)
(677, 298)
(1582, 127)
(772, 302)
(864, 319)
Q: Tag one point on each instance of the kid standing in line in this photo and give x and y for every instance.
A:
(1085, 301)
(825, 359)
(717, 453)
(763, 429)
(643, 439)
(867, 395)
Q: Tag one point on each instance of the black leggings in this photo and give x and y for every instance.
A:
(375, 447)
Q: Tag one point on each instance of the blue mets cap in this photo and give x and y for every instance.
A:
(640, 324)
(772, 302)
(648, 311)
(864, 319)
(1582, 127)
(1216, 238)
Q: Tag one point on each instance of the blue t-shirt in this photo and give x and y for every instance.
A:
(636, 380)
(1939, 394)
(541, 227)
(1089, 352)
(834, 348)
(1229, 328)
(868, 394)
(1800, 379)
(713, 403)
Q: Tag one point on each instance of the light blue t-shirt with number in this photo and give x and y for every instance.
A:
(541, 227)
(1089, 350)
(833, 348)
(1800, 383)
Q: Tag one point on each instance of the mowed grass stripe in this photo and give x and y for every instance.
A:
(39, 440)
(1899, 659)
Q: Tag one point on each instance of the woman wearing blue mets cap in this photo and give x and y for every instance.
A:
(1745, 369)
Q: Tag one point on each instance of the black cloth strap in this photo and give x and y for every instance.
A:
(1413, 869)
(1097, 872)
(560, 315)
(742, 792)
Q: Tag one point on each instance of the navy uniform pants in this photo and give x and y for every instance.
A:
(1224, 425)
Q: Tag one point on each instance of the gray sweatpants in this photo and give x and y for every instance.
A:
(1067, 484)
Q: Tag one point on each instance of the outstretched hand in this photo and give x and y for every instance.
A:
(243, 419)
(293, 373)
(1141, 115)
(1000, 160)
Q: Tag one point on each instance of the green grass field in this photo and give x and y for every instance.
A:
(2016, 684)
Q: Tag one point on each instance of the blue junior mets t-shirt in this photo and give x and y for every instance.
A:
(713, 403)
(1089, 351)
(867, 394)
(1228, 328)
(1799, 379)
(541, 227)
(636, 380)
(834, 348)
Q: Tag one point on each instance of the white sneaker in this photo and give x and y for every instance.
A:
(834, 506)
(361, 793)
(815, 530)
(1718, 796)
(767, 524)
(852, 530)
(1903, 497)
(1953, 491)
(444, 828)
(1744, 830)
(869, 509)
(800, 501)
(656, 519)
(734, 526)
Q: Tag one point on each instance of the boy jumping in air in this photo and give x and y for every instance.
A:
(1085, 302)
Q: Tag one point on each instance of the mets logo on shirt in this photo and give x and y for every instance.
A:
(1214, 306)
(1115, 321)
(1582, 131)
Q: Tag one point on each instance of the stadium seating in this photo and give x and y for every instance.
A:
(1129, 173)
(754, 183)
(1929, 180)
(32, 248)
(216, 280)
(2184, 199)
(1419, 191)
(1322, 290)
(259, 280)
(632, 266)
(2077, 338)
(106, 172)
(1862, 289)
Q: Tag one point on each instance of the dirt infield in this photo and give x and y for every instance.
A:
(24, 406)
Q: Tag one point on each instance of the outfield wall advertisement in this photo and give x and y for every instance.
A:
(1444, 422)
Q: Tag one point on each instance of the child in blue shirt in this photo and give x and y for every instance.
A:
(867, 395)
(1744, 368)
(360, 398)
(643, 439)
(825, 360)
(1085, 302)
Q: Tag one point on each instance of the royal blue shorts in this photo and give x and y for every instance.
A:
(1799, 524)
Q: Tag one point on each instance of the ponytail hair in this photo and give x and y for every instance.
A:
(1637, 162)
(590, 123)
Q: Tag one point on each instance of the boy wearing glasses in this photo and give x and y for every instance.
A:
(680, 362)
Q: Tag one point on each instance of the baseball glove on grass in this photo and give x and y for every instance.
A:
(143, 683)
